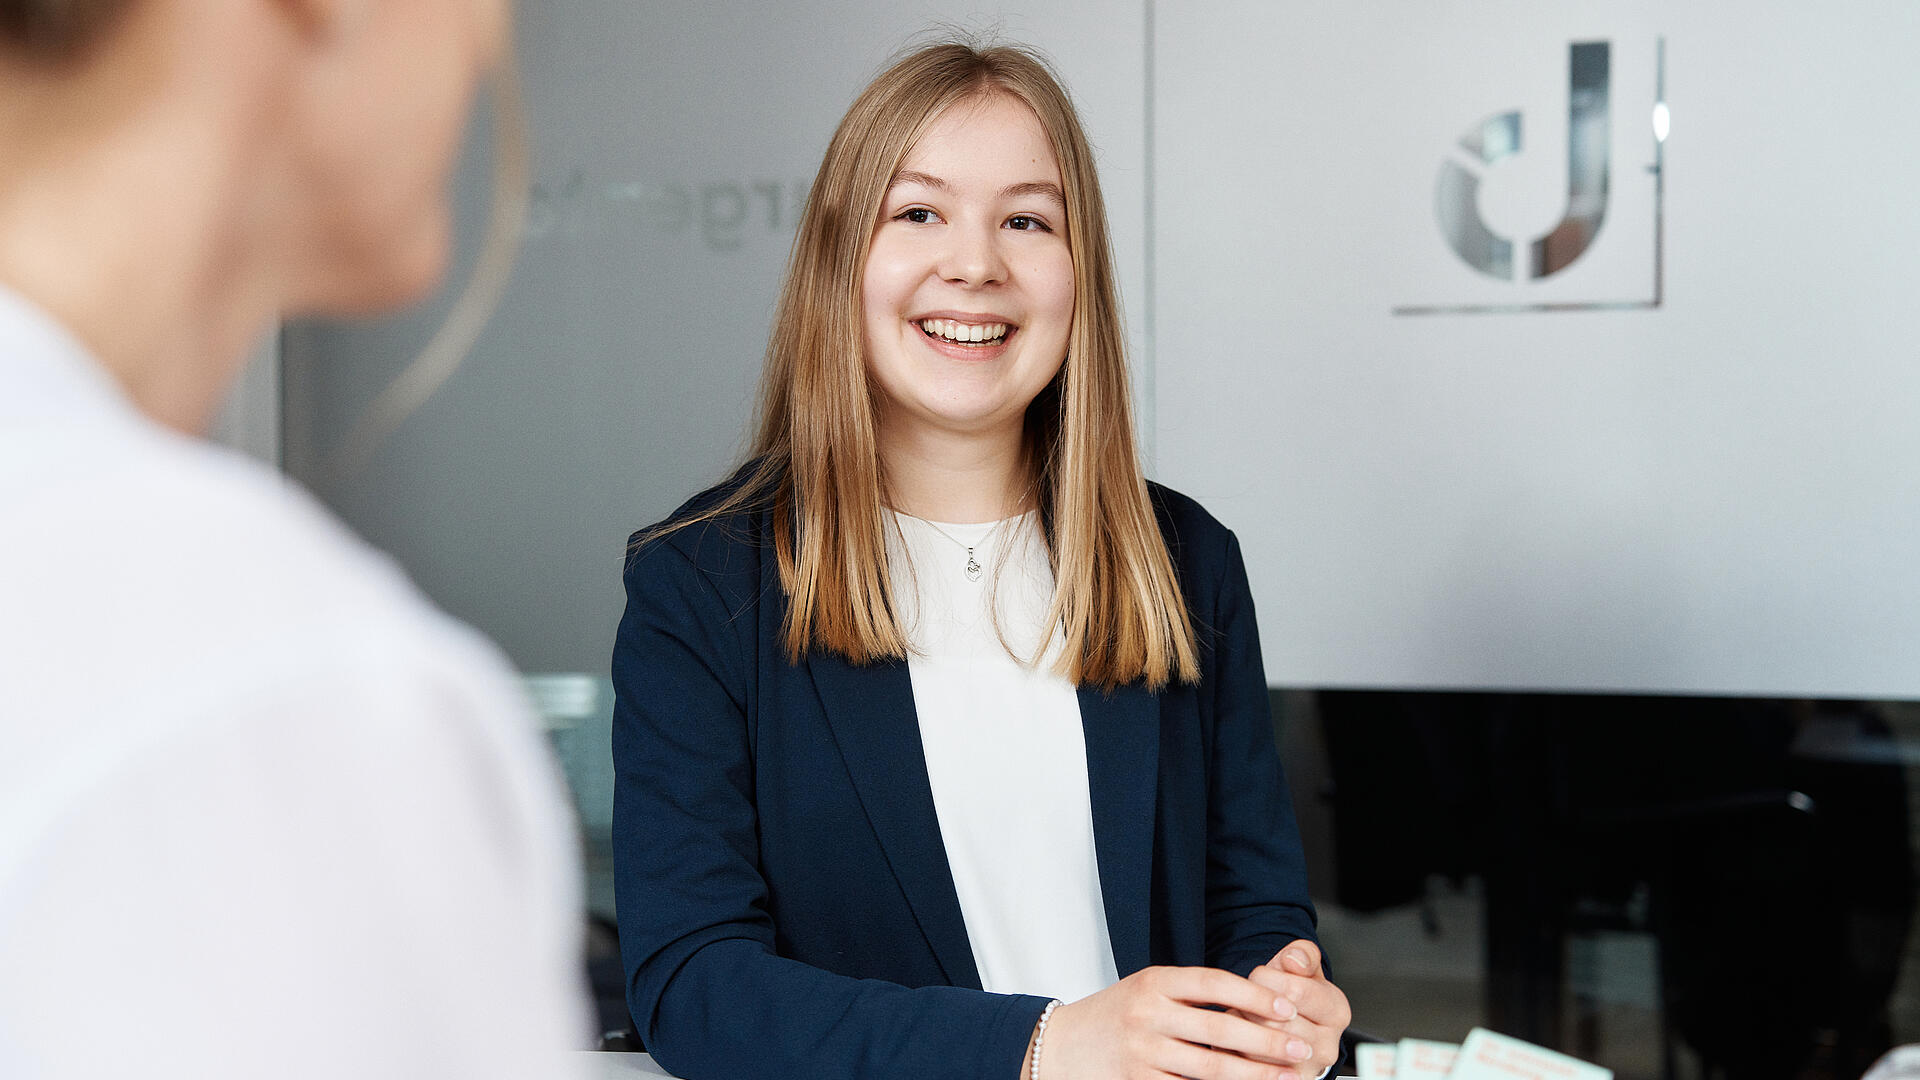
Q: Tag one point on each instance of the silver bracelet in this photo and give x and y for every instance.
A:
(1040, 1037)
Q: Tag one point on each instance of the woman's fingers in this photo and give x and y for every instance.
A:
(1315, 998)
(1231, 1031)
(1200, 1023)
(1161, 1019)
(1231, 1044)
(1324, 1010)
(1298, 1028)
(1211, 986)
(1300, 958)
(1187, 1059)
(1204, 1044)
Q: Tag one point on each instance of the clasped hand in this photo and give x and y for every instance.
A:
(1282, 1022)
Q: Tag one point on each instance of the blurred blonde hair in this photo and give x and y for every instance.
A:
(816, 464)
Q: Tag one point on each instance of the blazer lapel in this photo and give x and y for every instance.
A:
(878, 732)
(1123, 771)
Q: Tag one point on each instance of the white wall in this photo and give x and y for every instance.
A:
(1721, 495)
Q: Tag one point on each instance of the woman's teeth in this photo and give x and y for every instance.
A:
(964, 333)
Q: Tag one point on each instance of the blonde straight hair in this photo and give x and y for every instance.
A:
(815, 459)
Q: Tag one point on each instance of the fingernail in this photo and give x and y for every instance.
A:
(1300, 959)
(1300, 1050)
(1284, 1009)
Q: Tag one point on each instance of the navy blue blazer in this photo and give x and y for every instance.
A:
(786, 908)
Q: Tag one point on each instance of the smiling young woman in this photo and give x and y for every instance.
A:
(938, 714)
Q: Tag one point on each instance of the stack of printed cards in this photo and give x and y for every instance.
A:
(1486, 1055)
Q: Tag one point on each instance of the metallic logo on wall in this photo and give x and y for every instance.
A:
(1487, 144)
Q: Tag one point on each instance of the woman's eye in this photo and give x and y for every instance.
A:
(919, 215)
(1025, 223)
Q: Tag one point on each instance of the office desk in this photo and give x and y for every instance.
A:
(612, 1066)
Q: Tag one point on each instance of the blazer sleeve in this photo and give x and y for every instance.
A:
(711, 996)
(1256, 871)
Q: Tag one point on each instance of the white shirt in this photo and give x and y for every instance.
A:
(263, 811)
(1006, 756)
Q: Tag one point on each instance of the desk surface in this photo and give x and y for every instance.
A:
(612, 1066)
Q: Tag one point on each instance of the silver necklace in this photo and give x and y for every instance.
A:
(973, 569)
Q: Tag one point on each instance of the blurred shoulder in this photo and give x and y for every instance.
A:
(184, 601)
(265, 554)
(170, 568)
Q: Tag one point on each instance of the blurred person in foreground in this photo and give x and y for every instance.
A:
(263, 811)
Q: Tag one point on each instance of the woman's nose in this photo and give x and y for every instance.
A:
(974, 257)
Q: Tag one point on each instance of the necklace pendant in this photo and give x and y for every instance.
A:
(973, 568)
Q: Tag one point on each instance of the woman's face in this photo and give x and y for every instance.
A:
(387, 106)
(968, 291)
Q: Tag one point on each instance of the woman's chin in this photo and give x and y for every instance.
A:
(415, 278)
(382, 281)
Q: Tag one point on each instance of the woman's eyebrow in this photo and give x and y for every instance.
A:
(909, 176)
(1044, 188)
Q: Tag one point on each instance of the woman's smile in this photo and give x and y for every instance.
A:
(968, 337)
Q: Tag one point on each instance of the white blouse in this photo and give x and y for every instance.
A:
(263, 811)
(1006, 757)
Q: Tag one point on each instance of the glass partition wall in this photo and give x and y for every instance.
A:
(1590, 605)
